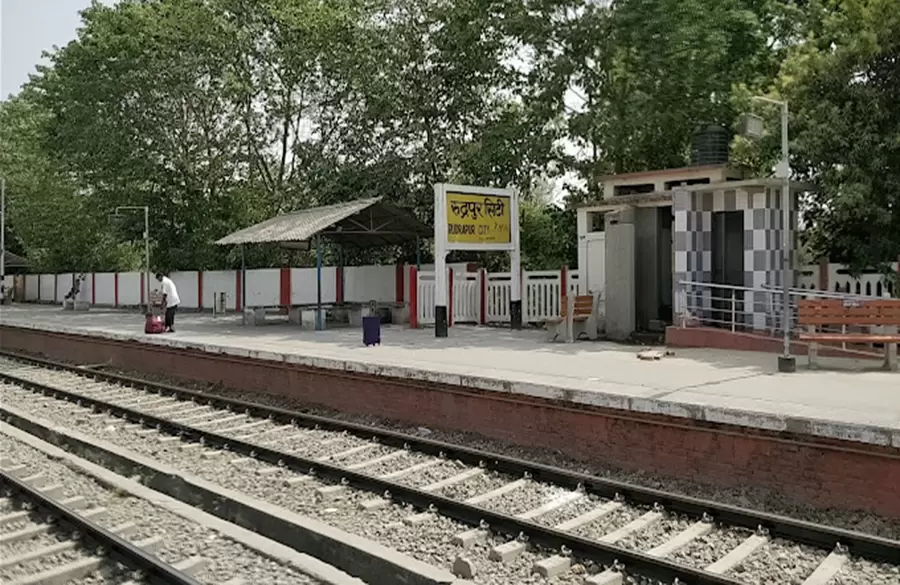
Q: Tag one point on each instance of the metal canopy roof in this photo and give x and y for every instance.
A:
(11, 260)
(363, 223)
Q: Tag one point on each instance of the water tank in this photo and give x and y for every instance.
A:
(709, 145)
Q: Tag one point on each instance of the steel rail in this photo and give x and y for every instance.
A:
(817, 535)
(154, 569)
(632, 561)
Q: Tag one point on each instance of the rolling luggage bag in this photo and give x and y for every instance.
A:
(371, 330)
(154, 324)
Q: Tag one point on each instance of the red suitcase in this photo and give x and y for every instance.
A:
(154, 324)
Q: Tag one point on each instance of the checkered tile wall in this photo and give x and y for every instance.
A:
(763, 224)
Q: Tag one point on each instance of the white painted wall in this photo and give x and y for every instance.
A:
(366, 283)
(87, 287)
(304, 288)
(186, 283)
(63, 285)
(32, 286)
(48, 288)
(220, 281)
(106, 288)
(263, 287)
(129, 288)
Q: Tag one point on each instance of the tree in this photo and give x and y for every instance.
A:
(843, 84)
(48, 215)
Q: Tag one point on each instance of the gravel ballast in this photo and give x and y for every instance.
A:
(182, 539)
(760, 568)
(747, 497)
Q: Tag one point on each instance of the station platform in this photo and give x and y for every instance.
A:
(852, 401)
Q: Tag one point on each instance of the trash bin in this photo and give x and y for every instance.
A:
(371, 326)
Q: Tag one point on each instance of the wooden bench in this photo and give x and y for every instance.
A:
(577, 317)
(882, 313)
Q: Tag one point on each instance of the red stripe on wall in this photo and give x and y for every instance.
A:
(200, 289)
(483, 294)
(237, 292)
(339, 284)
(285, 287)
(563, 289)
(413, 297)
(398, 283)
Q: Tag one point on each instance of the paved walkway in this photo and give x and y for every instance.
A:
(854, 400)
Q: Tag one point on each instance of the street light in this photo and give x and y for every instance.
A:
(786, 362)
(146, 243)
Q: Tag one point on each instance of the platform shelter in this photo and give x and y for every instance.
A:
(364, 224)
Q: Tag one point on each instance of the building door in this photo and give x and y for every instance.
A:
(728, 267)
(595, 279)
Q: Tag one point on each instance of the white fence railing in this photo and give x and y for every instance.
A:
(839, 280)
(483, 297)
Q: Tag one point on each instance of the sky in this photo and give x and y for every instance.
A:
(27, 28)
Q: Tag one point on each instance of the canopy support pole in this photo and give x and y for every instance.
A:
(320, 325)
(243, 282)
(418, 254)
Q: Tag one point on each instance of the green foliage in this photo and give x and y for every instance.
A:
(844, 84)
(220, 113)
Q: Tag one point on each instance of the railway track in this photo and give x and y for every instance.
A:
(48, 538)
(483, 510)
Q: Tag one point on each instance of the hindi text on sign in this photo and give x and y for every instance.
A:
(478, 219)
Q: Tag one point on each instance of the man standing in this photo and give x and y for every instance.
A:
(170, 300)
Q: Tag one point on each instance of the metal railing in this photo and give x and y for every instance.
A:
(744, 309)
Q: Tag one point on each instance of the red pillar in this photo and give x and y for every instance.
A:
(450, 299)
(339, 284)
(823, 273)
(413, 297)
(93, 288)
(285, 287)
(237, 291)
(398, 284)
(483, 276)
(116, 289)
(563, 284)
(200, 290)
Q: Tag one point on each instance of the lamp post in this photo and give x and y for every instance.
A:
(786, 362)
(146, 244)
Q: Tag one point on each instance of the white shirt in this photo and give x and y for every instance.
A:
(168, 288)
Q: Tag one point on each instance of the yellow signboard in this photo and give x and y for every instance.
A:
(478, 219)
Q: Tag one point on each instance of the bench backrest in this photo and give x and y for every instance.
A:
(584, 305)
(849, 312)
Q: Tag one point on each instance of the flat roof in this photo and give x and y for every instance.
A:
(663, 196)
(659, 172)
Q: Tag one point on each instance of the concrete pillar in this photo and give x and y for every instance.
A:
(620, 274)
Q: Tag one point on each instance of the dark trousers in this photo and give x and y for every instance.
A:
(170, 316)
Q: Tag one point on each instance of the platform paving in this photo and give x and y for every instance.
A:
(853, 400)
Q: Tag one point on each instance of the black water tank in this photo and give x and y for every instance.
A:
(710, 145)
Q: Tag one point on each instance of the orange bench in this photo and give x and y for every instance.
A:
(583, 319)
(882, 313)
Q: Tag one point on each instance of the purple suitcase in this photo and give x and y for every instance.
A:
(371, 330)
